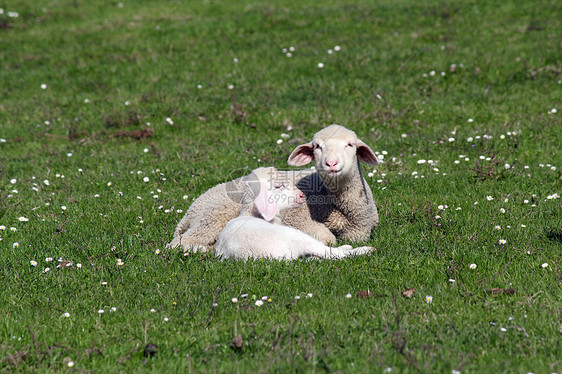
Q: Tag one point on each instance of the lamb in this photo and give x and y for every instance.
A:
(258, 231)
(336, 194)
(199, 228)
(338, 200)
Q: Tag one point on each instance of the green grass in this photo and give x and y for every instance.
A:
(153, 55)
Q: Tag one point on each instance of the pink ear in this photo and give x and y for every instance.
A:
(365, 154)
(302, 155)
(266, 203)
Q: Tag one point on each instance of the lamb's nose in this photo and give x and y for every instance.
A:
(332, 164)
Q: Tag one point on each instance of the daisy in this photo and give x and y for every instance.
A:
(259, 302)
(428, 299)
(33, 263)
(502, 241)
(472, 266)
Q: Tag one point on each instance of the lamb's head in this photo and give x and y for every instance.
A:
(334, 150)
(268, 192)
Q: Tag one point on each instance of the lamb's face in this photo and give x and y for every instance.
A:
(334, 151)
(286, 195)
(275, 192)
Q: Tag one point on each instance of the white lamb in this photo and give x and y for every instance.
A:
(258, 231)
(338, 200)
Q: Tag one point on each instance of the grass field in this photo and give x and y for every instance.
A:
(115, 116)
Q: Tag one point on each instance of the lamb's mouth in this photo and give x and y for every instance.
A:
(332, 172)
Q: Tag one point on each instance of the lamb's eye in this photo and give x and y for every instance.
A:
(350, 144)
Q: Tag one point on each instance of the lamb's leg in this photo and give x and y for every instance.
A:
(184, 224)
(195, 240)
(320, 232)
(303, 245)
(300, 219)
(340, 252)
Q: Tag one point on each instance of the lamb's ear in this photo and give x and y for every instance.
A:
(365, 154)
(302, 155)
(266, 203)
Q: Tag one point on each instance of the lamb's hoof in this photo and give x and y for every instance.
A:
(365, 250)
(173, 244)
(194, 248)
